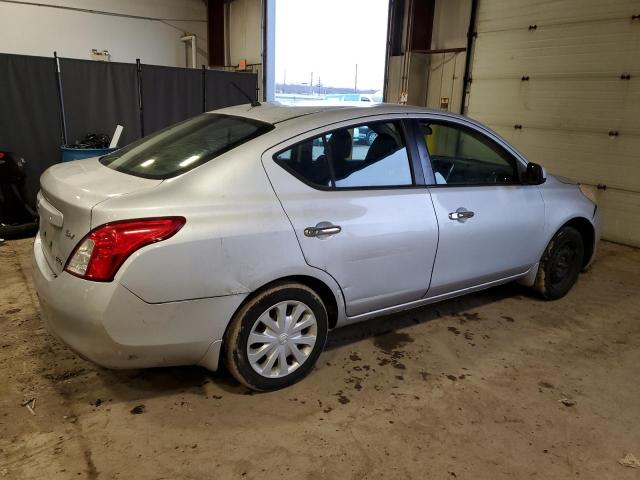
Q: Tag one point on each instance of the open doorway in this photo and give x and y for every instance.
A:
(330, 52)
(428, 60)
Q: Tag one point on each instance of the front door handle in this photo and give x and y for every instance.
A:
(322, 229)
(461, 215)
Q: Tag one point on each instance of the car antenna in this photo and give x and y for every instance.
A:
(254, 103)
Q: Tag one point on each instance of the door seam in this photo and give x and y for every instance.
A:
(433, 266)
(344, 301)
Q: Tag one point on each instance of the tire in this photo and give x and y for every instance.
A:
(560, 264)
(260, 337)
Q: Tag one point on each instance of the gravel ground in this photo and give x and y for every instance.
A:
(466, 389)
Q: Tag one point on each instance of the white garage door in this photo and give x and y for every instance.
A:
(561, 81)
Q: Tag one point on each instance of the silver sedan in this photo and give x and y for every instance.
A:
(244, 235)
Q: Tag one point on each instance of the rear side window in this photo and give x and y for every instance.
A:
(181, 147)
(308, 161)
(366, 156)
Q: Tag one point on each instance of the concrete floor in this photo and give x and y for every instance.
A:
(467, 389)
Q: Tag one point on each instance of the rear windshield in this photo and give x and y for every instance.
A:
(184, 146)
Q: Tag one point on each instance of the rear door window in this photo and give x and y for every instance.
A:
(308, 161)
(364, 156)
(184, 146)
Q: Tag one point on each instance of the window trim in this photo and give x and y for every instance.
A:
(424, 151)
(407, 137)
(421, 155)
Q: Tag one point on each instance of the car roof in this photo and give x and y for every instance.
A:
(274, 113)
(294, 120)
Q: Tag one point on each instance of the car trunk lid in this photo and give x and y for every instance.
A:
(68, 193)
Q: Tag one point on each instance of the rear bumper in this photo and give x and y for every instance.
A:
(109, 325)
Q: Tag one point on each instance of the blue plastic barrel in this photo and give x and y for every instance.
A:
(69, 154)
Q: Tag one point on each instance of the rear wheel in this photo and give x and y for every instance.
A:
(560, 264)
(276, 337)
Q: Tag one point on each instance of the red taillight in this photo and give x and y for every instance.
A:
(99, 255)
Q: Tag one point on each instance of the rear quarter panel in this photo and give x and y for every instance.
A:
(237, 237)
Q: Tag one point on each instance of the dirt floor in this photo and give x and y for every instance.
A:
(466, 389)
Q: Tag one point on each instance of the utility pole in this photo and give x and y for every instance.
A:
(311, 83)
(355, 85)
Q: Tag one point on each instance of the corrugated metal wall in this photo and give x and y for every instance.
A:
(568, 73)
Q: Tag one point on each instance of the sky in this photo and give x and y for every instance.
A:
(328, 38)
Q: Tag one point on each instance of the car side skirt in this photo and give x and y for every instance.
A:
(434, 299)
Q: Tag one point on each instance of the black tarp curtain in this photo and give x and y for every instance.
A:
(97, 97)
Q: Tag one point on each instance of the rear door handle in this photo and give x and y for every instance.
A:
(461, 215)
(322, 229)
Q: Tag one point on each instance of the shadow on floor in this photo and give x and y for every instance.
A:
(391, 323)
(73, 375)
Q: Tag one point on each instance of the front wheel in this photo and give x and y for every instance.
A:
(560, 264)
(276, 337)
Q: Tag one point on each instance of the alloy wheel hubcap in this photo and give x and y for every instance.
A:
(282, 339)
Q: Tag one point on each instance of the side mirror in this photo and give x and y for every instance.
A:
(534, 175)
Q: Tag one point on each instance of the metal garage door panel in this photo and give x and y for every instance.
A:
(621, 214)
(574, 58)
(576, 49)
(586, 157)
(592, 104)
(510, 14)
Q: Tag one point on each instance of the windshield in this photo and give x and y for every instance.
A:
(184, 146)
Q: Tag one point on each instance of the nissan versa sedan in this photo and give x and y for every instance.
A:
(244, 235)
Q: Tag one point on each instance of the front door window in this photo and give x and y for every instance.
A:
(461, 156)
